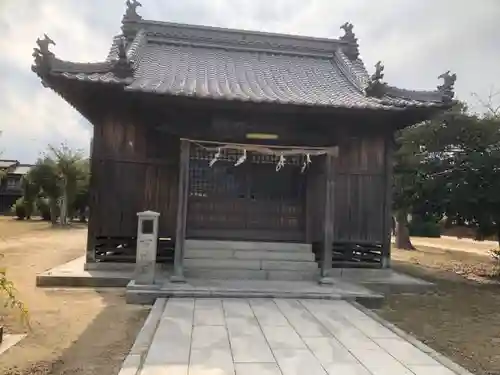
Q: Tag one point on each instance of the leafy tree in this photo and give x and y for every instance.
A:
(30, 193)
(471, 171)
(416, 163)
(69, 167)
(45, 176)
(82, 196)
(450, 166)
(61, 175)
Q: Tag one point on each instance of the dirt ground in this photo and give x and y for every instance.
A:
(84, 331)
(73, 331)
(460, 317)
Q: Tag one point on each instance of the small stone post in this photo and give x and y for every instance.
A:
(147, 240)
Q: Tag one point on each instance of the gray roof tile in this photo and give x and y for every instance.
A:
(214, 63)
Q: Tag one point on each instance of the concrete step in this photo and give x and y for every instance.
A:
(249, 264)
(277, 265)
(249, 254)
(246, 245)
(230, 274)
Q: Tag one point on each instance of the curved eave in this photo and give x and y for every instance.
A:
(62, 66)
(91, 72)
(108, 78)
(422, 96)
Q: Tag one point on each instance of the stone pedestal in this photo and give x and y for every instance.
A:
(147, 240)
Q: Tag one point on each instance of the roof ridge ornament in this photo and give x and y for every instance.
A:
(123, 67)
(131, 11)
(447, 88)
(352, 52)
(43, 56)
(375, 85)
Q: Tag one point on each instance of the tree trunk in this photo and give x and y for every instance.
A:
(498, 233)
(53, 211)
(64, 204)
(402, 231)
(82, 216)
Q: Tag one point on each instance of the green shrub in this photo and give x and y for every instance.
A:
(42, 205)
(419, 228)
(19, 209)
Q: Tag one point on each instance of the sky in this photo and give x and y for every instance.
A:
(416, 40)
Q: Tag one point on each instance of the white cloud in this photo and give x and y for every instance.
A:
(416, 40)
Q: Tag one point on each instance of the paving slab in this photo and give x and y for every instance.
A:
(257, 368)
(9, 341)
(280, 337)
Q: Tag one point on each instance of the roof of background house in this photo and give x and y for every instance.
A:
(208, 62)
(22, 169)
(14, 167)
(7, 163)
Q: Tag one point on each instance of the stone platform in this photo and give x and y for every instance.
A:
(210, 288)
(76, 273)
(356, 283)
(275, 337)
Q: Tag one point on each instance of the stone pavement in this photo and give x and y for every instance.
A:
(278, 336)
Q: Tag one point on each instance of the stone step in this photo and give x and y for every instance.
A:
(277, 265)
(230, 274)
(249, 254)
(249, 264)
(247, 245)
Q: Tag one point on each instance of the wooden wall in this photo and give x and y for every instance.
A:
(134, 168)
(360, 190)
(359, 196)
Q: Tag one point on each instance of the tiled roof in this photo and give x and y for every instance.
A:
(22, 169)
(205, 62)
(7, 163)
(246, 76)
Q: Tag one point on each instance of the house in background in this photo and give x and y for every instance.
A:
(11, 182)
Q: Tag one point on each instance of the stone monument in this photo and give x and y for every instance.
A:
(147, 241)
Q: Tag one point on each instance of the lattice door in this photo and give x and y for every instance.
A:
(248, 202)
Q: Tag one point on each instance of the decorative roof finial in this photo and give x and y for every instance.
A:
(375, 86)
(378, 75)
(43, 56)
(131, 12)
(352, 52)
(447, 88)
(43, 44)
(349, 35)
(122, 48)
(123, 67)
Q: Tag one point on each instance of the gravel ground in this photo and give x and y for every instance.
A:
(461, 316)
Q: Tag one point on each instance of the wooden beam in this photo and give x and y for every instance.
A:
(328, 221)
(180, 234)
(387, 210)
(90, 256)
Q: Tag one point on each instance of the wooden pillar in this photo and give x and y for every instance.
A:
(180, 234)
(387, 209)
(91, 235)
(328, 220)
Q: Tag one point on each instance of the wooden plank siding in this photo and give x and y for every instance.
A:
(360, 190)
(134, 168)
(359, 203)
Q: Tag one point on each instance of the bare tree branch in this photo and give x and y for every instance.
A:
(491, 104)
